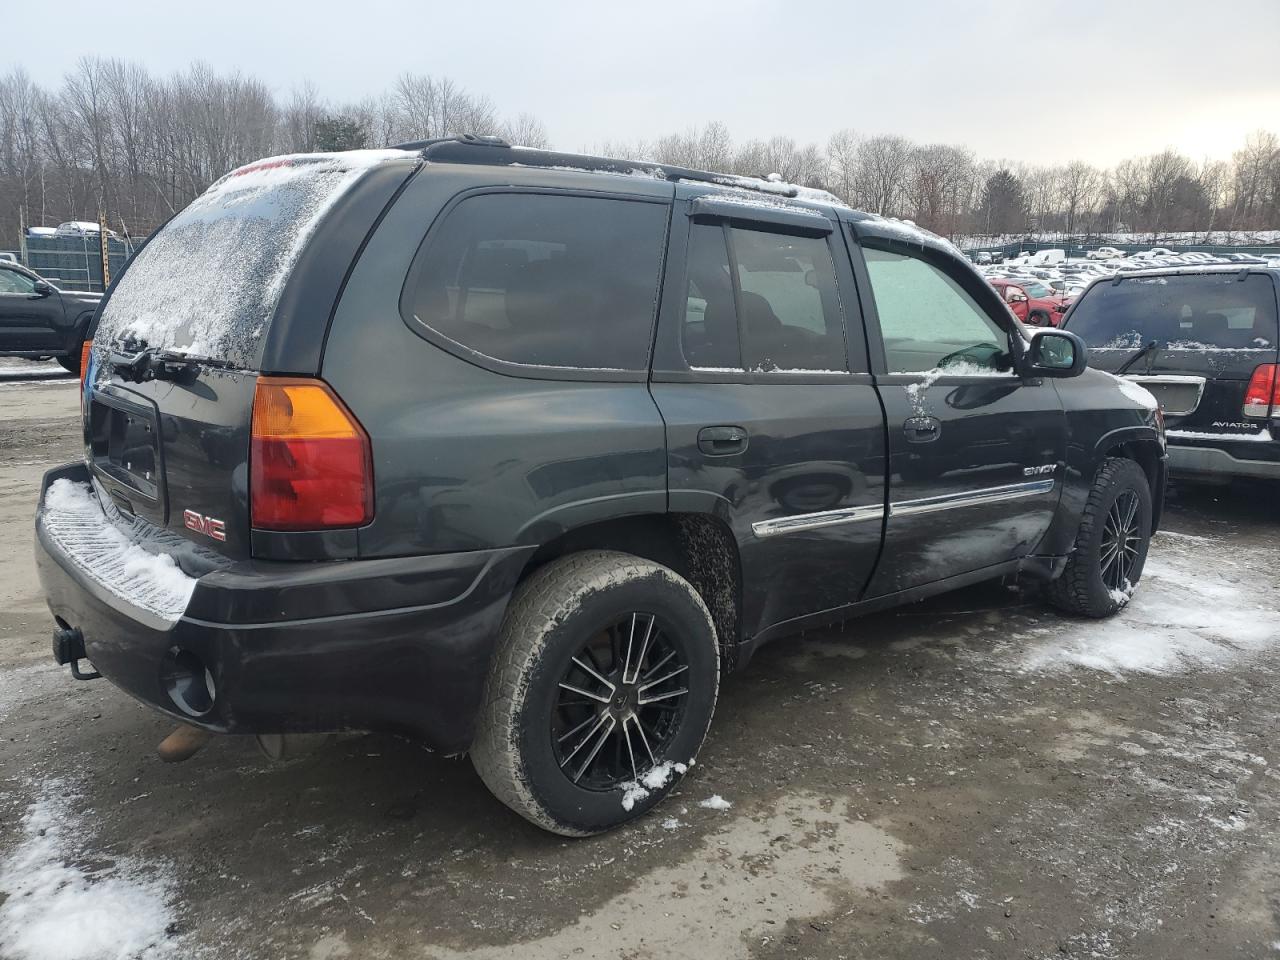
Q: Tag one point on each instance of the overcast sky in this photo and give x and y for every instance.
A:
(1036, 80)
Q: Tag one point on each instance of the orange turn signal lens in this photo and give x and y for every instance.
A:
(311, 465)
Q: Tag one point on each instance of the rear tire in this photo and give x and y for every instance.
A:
(1111, 545)
(607, 666)
(71, 363)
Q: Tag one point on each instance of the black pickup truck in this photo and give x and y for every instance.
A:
(38, 320)
(518, 452)
(1205, 342)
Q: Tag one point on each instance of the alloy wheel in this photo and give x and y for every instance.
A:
(621, 702)
(1121, 542)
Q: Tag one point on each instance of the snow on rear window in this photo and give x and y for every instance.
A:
(208, 282)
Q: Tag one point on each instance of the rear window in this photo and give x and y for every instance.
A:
(208, 282)
(543, 280)
(1216, 311)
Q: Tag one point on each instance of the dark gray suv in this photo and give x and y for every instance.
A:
(518, 452)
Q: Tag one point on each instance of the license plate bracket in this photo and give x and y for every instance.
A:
(125, 446)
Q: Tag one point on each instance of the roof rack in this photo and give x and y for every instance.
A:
(460, 150)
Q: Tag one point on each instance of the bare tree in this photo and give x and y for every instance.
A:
(1079, 192)
(882, 165)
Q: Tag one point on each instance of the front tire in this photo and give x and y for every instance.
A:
(1111, 545)
(605, 675)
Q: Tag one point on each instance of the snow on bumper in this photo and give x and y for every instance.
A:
(74, 520)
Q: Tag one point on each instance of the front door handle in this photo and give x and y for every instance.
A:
(722, 441)
(922, 429)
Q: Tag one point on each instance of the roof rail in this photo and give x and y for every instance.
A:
(458, 150)
(467, 138)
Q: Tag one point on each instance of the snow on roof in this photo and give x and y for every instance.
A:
(747, 198)
(774, 184)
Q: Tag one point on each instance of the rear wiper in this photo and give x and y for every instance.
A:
(153, 363)
(1151, 349)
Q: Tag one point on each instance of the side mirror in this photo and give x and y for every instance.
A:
(42, 289)
(1056, 353)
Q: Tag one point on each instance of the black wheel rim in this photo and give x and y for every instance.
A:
(620, 703)
(1121, 542)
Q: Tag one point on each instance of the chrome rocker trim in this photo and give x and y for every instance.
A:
(903, 508)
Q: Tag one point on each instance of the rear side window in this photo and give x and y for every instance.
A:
(761, 301)
(543, 280)
(1190, 312)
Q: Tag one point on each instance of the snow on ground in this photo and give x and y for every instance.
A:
(1182, 617)
(715, 802)
(64, 904)
(18, 368)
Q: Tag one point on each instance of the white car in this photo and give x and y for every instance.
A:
(1105, 253)
(81, 228)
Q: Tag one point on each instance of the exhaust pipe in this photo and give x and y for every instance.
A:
(289, 746)
(183, 744)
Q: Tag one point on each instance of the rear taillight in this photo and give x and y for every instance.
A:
(85, 349)
(1263, 392)
(310, 463)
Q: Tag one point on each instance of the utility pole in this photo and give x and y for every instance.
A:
(104, 247)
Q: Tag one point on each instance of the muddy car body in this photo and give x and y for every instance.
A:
(518, 451)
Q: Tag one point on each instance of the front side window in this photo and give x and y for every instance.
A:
(11, 281)
(544, 280)
(761, 302)
(928, 321)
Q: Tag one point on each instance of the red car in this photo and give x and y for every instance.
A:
(1032, 302)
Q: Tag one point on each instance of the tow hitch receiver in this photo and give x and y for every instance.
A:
(68, 648)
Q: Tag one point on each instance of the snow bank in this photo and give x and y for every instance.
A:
(57, 910)
(74, 520)
(208, 282)
(1180, 617)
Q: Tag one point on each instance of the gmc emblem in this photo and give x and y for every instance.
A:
(214, 529)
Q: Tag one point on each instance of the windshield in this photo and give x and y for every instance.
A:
(1193, 312)
(1034, 288)
(207, 283)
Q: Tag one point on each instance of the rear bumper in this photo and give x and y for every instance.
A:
(1243, 459)
(392, 644)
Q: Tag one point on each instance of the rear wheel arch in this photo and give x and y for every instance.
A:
(699, 547)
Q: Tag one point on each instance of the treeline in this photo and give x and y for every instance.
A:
(140, 147)
(116, 138)
(948, 189)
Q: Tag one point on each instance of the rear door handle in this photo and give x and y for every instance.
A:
(922, 429)
(722, 441)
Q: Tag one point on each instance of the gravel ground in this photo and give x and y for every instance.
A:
(970, 777)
